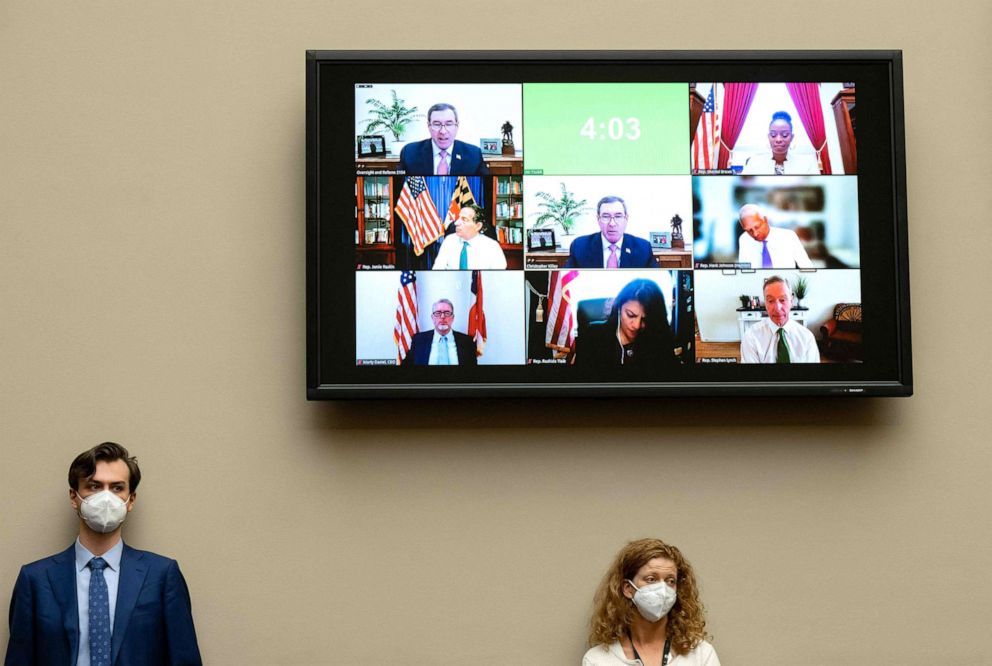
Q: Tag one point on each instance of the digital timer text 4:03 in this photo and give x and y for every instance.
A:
(614, 129)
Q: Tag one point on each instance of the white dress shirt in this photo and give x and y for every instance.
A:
(483, 253)
(436, 348)
(112, 575)
(760, 343)
(784, 246)
(795, 164)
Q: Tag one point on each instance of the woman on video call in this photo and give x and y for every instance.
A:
(635, 334)
(779, 161)
(647, 611)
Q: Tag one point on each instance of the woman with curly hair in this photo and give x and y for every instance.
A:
(647, 611)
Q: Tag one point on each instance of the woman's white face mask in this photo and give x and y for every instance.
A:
(103, 511)
(655, 600)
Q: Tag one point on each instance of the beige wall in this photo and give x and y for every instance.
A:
(152, 293)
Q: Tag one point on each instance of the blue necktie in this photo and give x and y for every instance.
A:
(766, 258)
(443, 358)
(463, 259)
(99, 614)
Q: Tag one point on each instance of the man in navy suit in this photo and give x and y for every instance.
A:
(442, 155)
(442, 346)
(611, 247)
(101, 602)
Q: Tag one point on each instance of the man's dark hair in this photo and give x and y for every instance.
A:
(442, 106)
(480, 215)
(84, 466)
(610, 199)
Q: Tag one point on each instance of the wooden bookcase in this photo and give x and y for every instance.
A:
(846, 117)
(508, 209)
(508, 217)
(374, 219)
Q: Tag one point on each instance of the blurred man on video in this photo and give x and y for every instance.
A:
(442, 154)
(765, 246)
(778, 339)
(442, 346)
(468, 248)
(611, 247)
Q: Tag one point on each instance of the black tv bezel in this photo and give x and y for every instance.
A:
(321, 388)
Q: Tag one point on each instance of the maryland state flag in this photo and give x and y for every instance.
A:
(477, 316)
(462, 196)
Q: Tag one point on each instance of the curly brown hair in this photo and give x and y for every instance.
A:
(613, 612)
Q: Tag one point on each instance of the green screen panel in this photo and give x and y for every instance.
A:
(606, 128)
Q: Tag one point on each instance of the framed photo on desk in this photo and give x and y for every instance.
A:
(661, 240)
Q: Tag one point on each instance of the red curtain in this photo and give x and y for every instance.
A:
(737, 98)
(806, 97)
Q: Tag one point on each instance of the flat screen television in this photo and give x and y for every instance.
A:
(614, 223)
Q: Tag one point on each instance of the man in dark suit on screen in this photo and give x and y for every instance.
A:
(611, 247)
(442, 155)
(442, 346)
(101, 602)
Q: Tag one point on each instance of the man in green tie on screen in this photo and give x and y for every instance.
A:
(468, 248)
(778, 339)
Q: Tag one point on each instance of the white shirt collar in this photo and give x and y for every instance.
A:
(606, 243)
(112, 557)
(437, 151)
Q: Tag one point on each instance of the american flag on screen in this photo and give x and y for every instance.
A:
(419, 214)
(406, 314)
(462, 196)
(560, 320)
(477, 316)
(707, 139)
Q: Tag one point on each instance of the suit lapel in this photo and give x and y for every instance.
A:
(424, 351)
(427, 157)
(456, 158)
(133, 571)
(596, 258)
(62, 576)
(625, 251)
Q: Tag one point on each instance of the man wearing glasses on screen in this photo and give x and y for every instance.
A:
(442, 154)
(778, 339)
(611, 247)
(442, 346)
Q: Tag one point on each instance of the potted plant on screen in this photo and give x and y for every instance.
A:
(559, 211)
(393, 117)
(799, 289)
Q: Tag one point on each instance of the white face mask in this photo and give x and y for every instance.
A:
(103, 511)
(654, 601)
